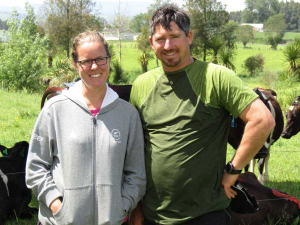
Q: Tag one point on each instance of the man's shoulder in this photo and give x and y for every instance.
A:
(149, 76)
(210, 68)
(143, 85)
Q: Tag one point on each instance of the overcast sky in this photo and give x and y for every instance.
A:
(232, 5)
(139, 6)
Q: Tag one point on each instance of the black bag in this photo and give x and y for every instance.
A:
(243, 202)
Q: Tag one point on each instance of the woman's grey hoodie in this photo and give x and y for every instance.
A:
(96, 164)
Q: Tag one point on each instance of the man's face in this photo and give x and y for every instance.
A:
(172, 47)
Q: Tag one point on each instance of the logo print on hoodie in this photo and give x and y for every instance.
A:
(116, 135)
(73, 135)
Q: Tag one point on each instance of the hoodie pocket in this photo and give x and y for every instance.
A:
(111, 207)
(77, 207)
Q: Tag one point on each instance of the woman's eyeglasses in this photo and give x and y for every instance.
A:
(100, 61)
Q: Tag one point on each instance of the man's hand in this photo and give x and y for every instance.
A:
(55, 205)
(136, 216)
(227, 181)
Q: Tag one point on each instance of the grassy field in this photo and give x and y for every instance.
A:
(288, 36)
(274, 59)
(18, 113)
(129, 59)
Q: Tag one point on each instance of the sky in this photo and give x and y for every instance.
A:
(110, 7)
(232, 5)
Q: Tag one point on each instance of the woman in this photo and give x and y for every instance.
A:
(86, 160)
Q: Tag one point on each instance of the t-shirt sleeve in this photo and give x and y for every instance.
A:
(234, 94)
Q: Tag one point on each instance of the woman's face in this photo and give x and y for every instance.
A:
(92, 65)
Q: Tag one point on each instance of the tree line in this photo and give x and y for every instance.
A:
(3, 25)
(31, 40)
(259, 11)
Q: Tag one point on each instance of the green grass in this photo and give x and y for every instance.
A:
(130, 54)
(18, 113)
(288, 36)
(274, 59)
(129, 59)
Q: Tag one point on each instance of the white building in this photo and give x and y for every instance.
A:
(112, 34)
(259, 27)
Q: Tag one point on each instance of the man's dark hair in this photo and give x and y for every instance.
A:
(167, 14)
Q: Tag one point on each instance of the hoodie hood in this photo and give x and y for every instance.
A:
(74, 93)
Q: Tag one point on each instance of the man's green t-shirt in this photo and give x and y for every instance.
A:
(186, 119)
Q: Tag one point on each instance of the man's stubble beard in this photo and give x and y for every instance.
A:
(172, 63)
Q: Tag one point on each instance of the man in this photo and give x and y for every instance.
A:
(185, 108)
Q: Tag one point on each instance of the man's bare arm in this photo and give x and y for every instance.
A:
(259, 124)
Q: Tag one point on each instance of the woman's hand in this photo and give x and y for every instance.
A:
(55, 205)
(136, 216)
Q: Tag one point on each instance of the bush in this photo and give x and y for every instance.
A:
(62, 72)
(22, 59)
(274, 41)
(118, 74)
(254, 64)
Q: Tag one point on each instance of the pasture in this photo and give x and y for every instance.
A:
(274, 60)
(260, 37)
(18, 113)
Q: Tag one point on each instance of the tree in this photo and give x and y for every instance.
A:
(291, 10)
(156, 5)
(274, 29)
(64, 19)
(119, 73)
(226, 56)
(274, 40)
(120, 21)
(215, 44)
(245, 33)
(236, 16)
(145, 49)
(138, 22)
(258, 11)
(228, 31)
(276, 24)
(22, 60)
(207, 16)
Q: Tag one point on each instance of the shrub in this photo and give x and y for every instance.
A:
(274, 41)
(62, 72)
(22, 59)
(254, 64)
(292, 57)
(226, 56)
(118, 73)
